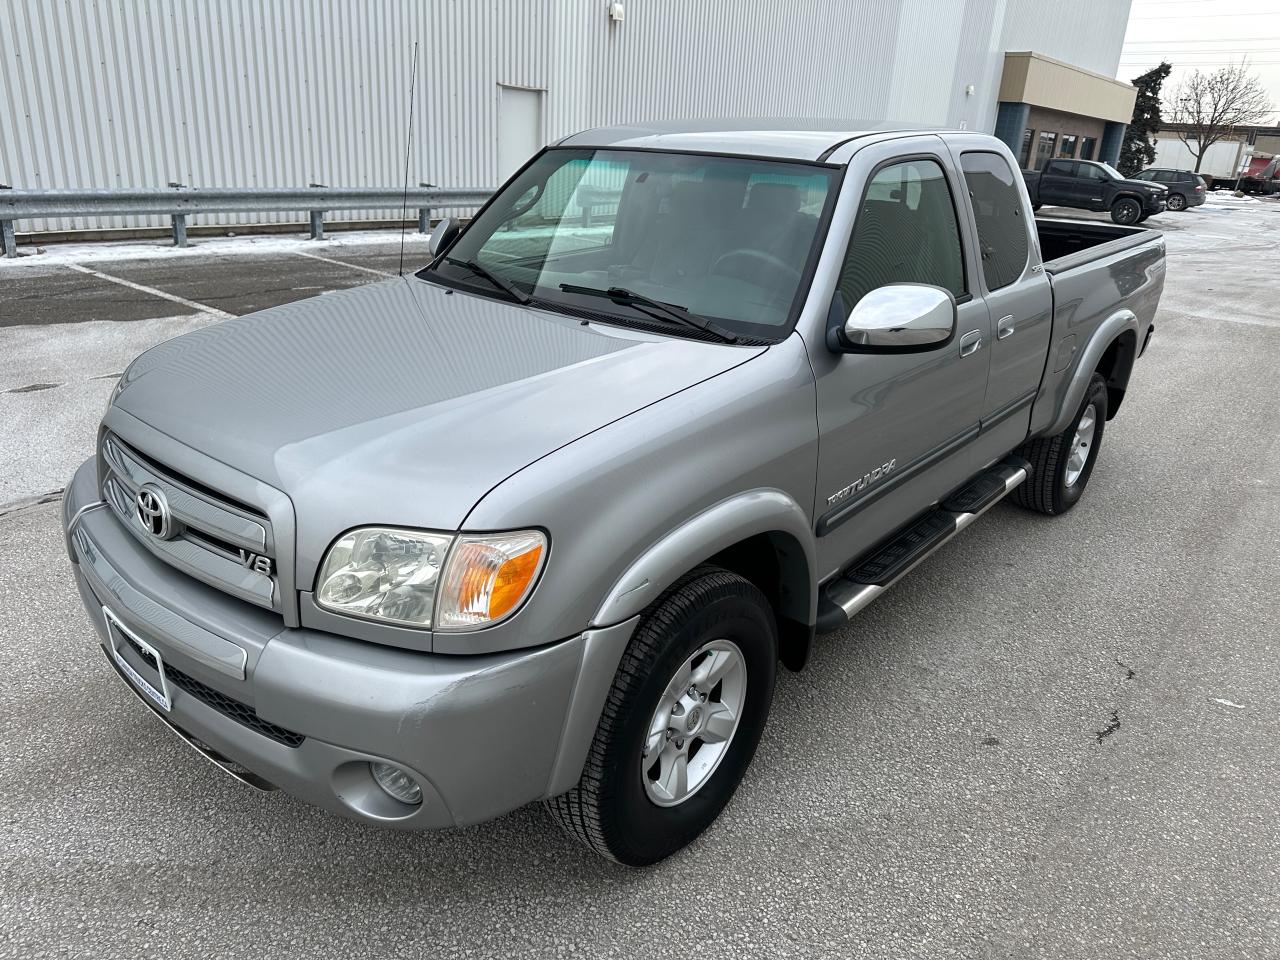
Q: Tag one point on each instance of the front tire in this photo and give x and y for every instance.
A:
(681, 721)
(1126, 211)
(1062, 464)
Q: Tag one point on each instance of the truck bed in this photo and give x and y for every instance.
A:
(1065, 244)
(1100, 274)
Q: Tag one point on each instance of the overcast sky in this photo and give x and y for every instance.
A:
(1204, 34)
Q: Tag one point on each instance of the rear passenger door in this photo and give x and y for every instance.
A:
(1015, 286)
(1058, 185)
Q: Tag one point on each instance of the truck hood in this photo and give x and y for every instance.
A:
(401, 402)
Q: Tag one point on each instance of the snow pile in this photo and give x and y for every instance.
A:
(252, 245)
(1227, 198)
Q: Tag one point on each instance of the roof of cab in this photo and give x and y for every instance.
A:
(785, 139)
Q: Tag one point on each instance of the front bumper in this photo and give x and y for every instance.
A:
(1154, 203)
(482, 735)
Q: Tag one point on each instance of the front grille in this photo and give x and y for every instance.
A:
(213, 536)
(237, 711)
(241, 713)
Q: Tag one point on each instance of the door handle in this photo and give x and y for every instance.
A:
(970, 342)
(1005, 327)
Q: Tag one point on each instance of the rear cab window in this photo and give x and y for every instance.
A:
(999, 216)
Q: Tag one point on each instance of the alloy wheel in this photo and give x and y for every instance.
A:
(1081, 444)
(694, 723)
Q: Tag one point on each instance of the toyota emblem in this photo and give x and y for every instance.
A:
(153, 511)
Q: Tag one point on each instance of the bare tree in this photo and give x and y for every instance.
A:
(1211, 105)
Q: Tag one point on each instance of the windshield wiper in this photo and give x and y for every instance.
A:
(503, 285)
(664, 311)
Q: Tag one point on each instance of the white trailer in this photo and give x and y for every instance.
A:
(1225, 159)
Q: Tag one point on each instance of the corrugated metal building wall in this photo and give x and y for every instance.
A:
(114, 93)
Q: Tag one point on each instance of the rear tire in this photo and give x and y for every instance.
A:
(632, 803)
(1062, 464)
(1126, 211)
(1176, 202)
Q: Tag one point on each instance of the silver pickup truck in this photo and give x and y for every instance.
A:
(540, 521)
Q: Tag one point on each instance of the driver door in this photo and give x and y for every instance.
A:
(894, 427)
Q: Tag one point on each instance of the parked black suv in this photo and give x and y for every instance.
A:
(1089, 185)
(1186, 188)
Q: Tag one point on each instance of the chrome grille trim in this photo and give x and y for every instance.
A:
(209, 534)
(218, 520)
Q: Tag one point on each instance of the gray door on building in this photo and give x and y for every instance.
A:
(519, 128)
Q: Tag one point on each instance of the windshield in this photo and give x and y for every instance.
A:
(727, 239)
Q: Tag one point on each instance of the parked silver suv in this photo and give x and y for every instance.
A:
(539, 522)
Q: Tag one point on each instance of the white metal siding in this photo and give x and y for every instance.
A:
(114, 93)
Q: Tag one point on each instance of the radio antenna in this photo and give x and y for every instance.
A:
(404, 202)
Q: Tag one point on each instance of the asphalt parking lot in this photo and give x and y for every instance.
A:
(1058, 738)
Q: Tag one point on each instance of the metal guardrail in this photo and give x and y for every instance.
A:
(181, 202)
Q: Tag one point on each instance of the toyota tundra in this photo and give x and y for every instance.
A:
(540, 521)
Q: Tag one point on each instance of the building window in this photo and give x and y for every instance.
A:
(906, 232)
(997, 211)
(1024, 155)
(1087, 148)
(1068, 147)
(1044, 151)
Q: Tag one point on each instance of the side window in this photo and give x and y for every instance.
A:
(1059, 168)
(906, 232)
(1144, 175)
(1167, 176)
(997, 210)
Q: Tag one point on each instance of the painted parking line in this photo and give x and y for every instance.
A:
(341, 263)
(193, 304)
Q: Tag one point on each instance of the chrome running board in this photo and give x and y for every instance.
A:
(843, 597)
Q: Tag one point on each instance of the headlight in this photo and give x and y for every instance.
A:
(419, 579)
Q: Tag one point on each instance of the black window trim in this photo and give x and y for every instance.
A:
(803, 289)
(987, 288)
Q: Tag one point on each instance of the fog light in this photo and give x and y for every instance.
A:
(397, 783)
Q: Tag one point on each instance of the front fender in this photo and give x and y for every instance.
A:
(705, 534)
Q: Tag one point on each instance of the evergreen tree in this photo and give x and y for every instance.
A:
(1139, 149)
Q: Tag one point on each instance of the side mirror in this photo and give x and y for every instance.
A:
(898, 318)
(442, 236)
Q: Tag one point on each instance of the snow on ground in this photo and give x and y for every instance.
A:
(1225, 198)
(60, 254)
